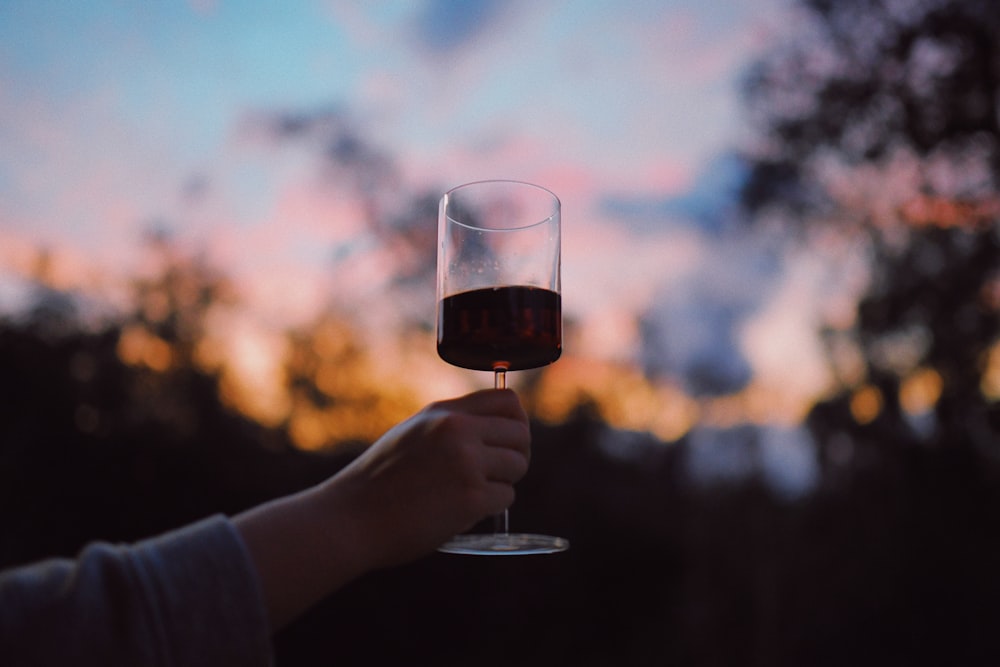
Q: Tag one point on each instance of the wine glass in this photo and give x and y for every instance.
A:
(499, 306)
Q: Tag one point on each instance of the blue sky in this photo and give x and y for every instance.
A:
(634, 84)
(119, 116)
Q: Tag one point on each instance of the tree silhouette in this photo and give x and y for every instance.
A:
(337, 394)
(881, 119)
(879, 123)
(106, 437)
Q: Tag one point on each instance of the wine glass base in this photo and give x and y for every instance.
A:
(504, 544)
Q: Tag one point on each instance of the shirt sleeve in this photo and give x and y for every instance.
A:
(189, 597)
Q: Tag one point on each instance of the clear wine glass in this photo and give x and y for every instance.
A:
(499, 306)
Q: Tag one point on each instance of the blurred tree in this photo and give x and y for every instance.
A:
(111, 430)
(399, 222)
(161, 335)
(338, 391)
(173, 302)
(881, 118)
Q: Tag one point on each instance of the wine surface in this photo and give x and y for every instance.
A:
(513, 328)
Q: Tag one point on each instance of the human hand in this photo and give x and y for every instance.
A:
(431, 477)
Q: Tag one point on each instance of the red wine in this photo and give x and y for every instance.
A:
(513, 328)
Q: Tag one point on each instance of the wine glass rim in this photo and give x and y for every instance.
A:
(505, 181)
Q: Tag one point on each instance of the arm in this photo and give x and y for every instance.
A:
(189, 597)
(212, 592)
(432, 476)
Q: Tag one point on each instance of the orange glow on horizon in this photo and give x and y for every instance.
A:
(759, 403)
(945, 212)
(990, 385)
(333, 381)
(138, 347)
(920, 391)
(624, 398)
(56, 266)
(866, 404)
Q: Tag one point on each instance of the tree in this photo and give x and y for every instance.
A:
(882, 119)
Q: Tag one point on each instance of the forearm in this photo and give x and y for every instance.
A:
(189, 597)
(304, 547)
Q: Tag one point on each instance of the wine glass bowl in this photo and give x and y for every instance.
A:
(499, 303)
(510, 328)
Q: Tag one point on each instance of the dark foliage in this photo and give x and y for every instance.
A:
(898, 564)
(867, 82)
(865, 76)
(94, 449)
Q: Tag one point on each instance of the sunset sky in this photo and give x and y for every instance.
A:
(260, 134)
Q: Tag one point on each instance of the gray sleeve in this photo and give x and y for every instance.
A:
(190, 597)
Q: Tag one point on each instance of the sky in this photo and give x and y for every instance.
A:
(264, 135)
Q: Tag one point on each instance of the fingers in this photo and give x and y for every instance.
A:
(433, 476)
(500, 497)
(502, 465)
(503, 432)
(490, 441)
(498, 418)
(498, 402)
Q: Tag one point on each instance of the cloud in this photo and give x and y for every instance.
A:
(746, 315)
(708, 203)
(692, 331)
(443, 27)
(695, 328)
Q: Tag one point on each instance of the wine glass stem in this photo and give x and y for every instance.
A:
(501, 522)
(499, 378)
